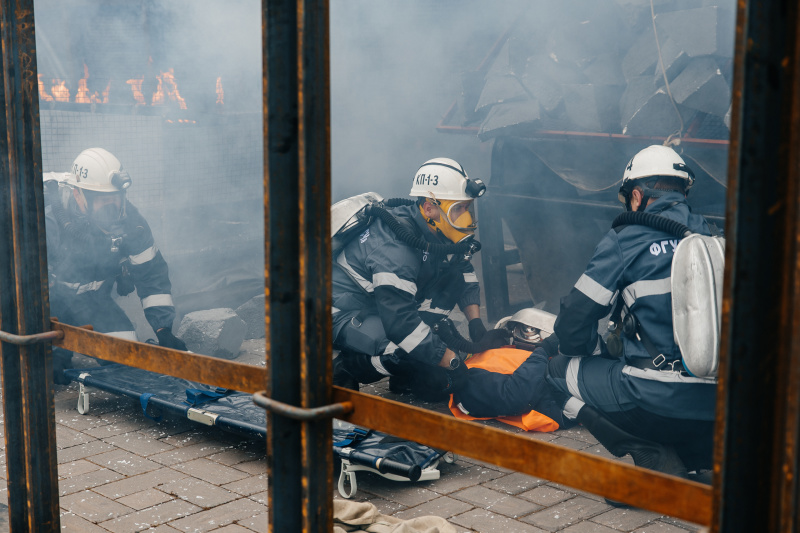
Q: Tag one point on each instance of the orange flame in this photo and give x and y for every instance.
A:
(167, 89)
(60, 91)
(43, 95)
(82, 96)
(220, 92)
(136, 87)
(105, 92)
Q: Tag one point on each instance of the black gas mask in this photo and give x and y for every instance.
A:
(107, 210)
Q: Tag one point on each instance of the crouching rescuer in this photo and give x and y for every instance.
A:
(638, 395)
(401, 274)
(96, 238)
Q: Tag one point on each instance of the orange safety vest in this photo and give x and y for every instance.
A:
(505, 361)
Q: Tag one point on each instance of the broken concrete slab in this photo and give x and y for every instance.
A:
(606, 69)
(253, 313)
(577, 44)
(511, 119)
(593, 108)
(702, 86)
(674, 59)
(548, 93)
(642, 56)
(542, 66)
(647, 110)
(216, 332)
(501, 89)
(703, 31)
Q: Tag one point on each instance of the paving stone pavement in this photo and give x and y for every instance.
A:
(122, 472)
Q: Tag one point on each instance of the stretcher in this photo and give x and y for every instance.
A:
(358, 449)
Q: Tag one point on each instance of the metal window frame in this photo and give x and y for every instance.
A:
(756, 464)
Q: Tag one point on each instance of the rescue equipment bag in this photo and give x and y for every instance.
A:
(697, 270)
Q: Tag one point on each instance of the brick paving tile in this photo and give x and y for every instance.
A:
(514, 483)
(93, 507)
(151, 517)
(233, 528)
(443, 506)
(248, 486)
(484, 464)
(396, 491)
(235, 456)
(85, 450)
(566, 513)
(496, 502)
(579, 433)
(210, 471)
(187, 438)
(572, 444)
(67, 438)
(198, 492)
(486, 522)
(117, 427)
(385, 506)
(132, 485)
(139, 442)
(258, 523)
(124, 462)
(260, 497)
(588, 527)
(76, 468)
(624, 519)
(458, 479)
(71, 523)
(546, 495)
(79, 422)
(185, 453)
(681, 523)
(577, 492)
(163, 528)
(87, 481)
(144, 499)
(254, 468)
(168, 427)
(217, 517)
(659, 527)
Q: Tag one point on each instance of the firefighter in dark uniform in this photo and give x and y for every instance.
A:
(96, 237)
(641, 401)
(387, 293)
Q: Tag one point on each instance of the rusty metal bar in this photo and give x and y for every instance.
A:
(297, 203)
(27, 340)
(194, 367)
(299, 413)
(757, 407)
(27, 390)
(643, 488)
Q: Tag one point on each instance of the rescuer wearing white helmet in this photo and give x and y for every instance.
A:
(97, 239)
(400, 276)
(637, 397)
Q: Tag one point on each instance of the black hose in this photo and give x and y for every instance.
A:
(446, 330)
(658, 222)
(467, 246)
(63, 220)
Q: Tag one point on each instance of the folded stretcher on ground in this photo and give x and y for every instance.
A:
(359, 449)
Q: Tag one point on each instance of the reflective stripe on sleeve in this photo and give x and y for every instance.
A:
(416, 337)
(380, 279)
(594, 291)
(646, 287)
(390, 348)
(334, 310)
(426, 307)
(157, 300)
(470, 277)
(361, 280)
(572, 407)
(144, 257)
(376, 363)
(86, 287)
(572, 377)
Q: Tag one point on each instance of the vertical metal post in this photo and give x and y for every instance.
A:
(27, 391)
(297, 207)
(757, 409)
(493, 256)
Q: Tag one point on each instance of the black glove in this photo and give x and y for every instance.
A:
(168, 340)
(550, 345)
(476, 329)
(494, 338)
(436, 384)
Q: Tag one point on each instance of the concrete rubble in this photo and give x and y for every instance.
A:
(216, 332)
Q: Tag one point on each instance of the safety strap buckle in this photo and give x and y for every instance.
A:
(659, 360)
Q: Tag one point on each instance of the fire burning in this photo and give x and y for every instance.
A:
(167, 90)
(136, 87)
(82, 96)
(43, 94)
(60, 91)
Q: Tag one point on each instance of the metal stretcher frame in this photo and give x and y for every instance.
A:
(756, 464)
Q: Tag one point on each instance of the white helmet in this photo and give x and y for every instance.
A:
(654, 161)
(445, 179)
(98, 170)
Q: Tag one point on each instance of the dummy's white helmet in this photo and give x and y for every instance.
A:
(655, 161)
(98, 170)
(444, 179)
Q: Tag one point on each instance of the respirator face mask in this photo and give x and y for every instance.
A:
(107, 210)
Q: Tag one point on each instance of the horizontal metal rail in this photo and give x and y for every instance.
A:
(301, 413)
(643, 488)
(27, 340)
